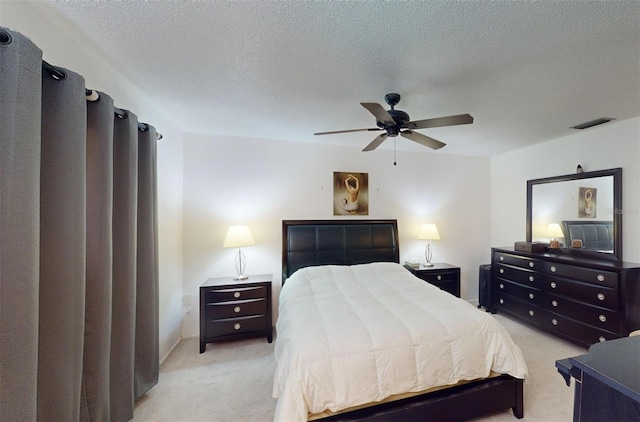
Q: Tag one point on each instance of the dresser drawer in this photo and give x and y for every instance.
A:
(600, 278)
(519, 275)
(241, 325)
(235, 308)
(525, 294)
(518, 261)
(583, 333)
(584, 292)
(602, 318)
(528, 311)
(235, 293)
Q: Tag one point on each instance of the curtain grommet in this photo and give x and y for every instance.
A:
(5, 37)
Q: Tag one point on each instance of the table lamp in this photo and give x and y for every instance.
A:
(428, 232)
(554, 231)
(237, 237)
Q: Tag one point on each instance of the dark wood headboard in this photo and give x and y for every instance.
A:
(308, 243)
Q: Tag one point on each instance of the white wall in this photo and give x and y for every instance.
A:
(261, 182)
(615, 144)
(61, 47)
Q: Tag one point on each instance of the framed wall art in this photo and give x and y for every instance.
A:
(350, 193)
(587, 202)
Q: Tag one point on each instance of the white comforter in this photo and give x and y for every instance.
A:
(350, 335)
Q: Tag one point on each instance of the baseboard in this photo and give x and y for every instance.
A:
(170, 350)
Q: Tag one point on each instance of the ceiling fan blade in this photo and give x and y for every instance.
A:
(347, 131)
(376, 142)
(381, 114)
(458, 119)
(423, 139)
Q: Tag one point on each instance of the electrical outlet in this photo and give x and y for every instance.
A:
(186, 300)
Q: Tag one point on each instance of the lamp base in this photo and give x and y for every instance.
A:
(241, 277)
(428, 264)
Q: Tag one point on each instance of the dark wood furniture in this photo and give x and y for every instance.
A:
(231, 309)
(582, 300)
(442, 275)
(607, 381)
(349, 242)
(569, 182)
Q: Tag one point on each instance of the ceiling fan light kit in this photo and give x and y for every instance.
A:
(397, 122)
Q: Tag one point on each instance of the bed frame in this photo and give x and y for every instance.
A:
(348, 242)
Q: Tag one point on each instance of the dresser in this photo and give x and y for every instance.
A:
(232, 309)
(585, 301)
(607, 381)
(444, 276)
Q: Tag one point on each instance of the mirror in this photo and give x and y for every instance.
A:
(586, 206)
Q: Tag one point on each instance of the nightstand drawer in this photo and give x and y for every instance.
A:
(223, 327)
(439, 277)
(234, 293)
(236, 308)
(444, 276)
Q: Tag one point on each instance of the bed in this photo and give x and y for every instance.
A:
(359, 337)
(594, 235)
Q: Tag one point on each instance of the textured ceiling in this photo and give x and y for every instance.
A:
(526, 71)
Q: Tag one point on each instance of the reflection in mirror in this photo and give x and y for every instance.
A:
(583, 206)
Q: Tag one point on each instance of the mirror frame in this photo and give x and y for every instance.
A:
(617, 204)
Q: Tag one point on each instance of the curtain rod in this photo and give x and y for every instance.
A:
(92, 95)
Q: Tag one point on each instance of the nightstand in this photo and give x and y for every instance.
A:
(444, 276)
(231, 309)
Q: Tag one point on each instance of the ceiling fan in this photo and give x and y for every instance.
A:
(396, 122)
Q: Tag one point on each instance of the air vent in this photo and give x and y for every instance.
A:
(593, 123)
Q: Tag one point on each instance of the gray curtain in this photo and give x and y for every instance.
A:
(78, 246)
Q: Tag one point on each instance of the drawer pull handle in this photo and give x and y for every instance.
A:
(501, 270)
(531, 296)
(236, 294)
(501, 286)
(602, 339)
(236, 326)
(236, 309)
(553, 269)
(554, 302)
(602, 318)
(600, 296)
(553, 285)
(554, 321)
(531, 312)
(600, 277)
(531, 278)
(531, 264)
(439, 277)
(502, 301)
(502, 258)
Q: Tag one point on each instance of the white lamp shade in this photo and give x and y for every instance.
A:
(238, 236)
(429, 232)
(554, 230)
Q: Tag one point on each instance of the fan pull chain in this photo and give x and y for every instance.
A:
(394, 151)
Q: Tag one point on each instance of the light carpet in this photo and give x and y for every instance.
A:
(233, 381)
